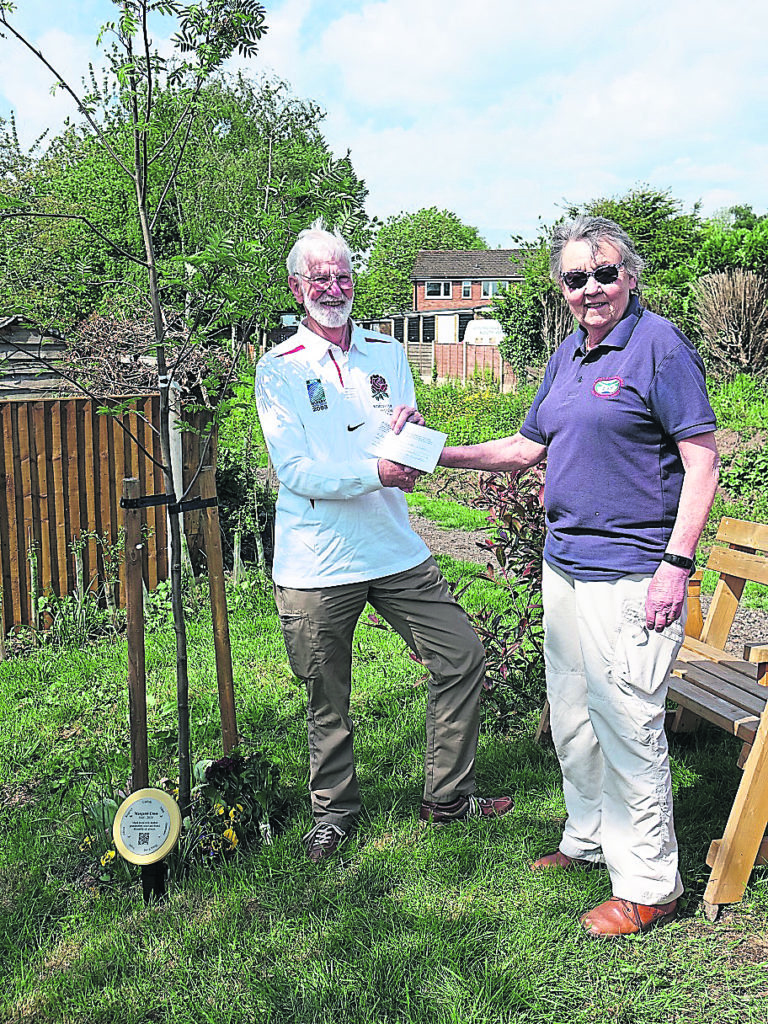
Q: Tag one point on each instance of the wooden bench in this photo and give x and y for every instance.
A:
(731, 693)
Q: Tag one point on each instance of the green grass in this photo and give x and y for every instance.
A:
(740, 404)
(448, 514)
(409, 925)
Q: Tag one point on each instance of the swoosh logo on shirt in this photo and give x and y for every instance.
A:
(356, 426)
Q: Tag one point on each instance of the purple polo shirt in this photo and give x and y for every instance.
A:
(610, 419)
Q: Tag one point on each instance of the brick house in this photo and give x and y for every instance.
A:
(462, 279)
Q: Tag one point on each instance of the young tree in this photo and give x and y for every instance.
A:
(148, 147)
(385, 286)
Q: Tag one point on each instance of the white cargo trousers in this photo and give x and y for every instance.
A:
(607, 681)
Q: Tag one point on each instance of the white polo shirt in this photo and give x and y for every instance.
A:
(335, 523)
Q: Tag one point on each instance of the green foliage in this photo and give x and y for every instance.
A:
(73, 621)
(256, 169)
(385, 287)
(534, 315)
(236, 800)
(745, 474)
(472, 412)
(511, 626)
(742, 244)
(668, 240)
(245, 504)
(521, 315)
(740, 403)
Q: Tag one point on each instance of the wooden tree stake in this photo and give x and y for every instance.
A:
(212, 535)
(134, 607)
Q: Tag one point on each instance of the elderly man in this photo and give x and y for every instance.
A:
(342, 539)
(623, 418)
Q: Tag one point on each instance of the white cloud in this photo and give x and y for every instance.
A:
(500, 109)
(26, 83)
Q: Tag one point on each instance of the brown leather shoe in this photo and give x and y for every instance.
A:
(558, 859)
(323, 840)
(623, 917)
(464, 807)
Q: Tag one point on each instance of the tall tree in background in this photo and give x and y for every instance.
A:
(385, 285)
(255, 166)
(667, 238)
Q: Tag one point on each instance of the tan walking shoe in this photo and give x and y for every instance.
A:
(623, 917)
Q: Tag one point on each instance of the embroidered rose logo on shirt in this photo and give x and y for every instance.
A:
(379, 387)
(607, 387)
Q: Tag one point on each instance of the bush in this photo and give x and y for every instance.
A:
(472, 412)
(745, 473)
(733, 319)
(511, 625)
(245, 504)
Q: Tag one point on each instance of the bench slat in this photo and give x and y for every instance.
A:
(738, 673)
(706, 675)
(743, 532)
(742, 564)
(733, 720)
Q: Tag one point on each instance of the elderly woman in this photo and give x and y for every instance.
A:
(623, 418)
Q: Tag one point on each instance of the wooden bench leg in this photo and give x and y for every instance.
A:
(544, 731)
(683, 720)
(735, 854)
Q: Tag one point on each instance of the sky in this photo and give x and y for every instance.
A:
(502, 111)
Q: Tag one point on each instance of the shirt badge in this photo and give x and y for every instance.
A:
(379, 387)
(316, 393)
(607, 387)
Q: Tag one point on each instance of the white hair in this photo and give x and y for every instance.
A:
(316, 236)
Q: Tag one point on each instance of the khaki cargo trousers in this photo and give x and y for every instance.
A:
(607, 682)
(318, 626)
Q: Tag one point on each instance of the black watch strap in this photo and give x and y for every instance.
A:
(679, 561)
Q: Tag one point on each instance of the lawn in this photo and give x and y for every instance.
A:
(409, 924)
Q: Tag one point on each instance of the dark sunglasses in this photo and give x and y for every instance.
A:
(575, 279)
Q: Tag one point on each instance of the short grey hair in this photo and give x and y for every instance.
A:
(314, 236)
(593, 230)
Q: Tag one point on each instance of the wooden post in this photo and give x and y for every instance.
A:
(3, 653)
(134, 607)
(695, 622)
(212, 535)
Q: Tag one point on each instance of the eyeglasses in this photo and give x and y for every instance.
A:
(607, 274)
(324, 281)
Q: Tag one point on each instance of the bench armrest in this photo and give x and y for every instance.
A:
(757, 654)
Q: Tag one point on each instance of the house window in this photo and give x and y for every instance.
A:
(466, 289)
(491, 288)
(437, 290)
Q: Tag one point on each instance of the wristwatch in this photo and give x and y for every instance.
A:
(679, 561)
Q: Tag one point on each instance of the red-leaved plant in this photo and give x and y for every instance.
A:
(510, 625)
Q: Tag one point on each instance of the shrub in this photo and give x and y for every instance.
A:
(511, 626)
(745, 473)
(733, 319)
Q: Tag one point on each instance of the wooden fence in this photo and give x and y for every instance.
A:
(62, 465)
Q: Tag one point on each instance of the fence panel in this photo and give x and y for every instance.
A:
(62, 465)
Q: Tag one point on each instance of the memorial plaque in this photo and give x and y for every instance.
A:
(147, 826)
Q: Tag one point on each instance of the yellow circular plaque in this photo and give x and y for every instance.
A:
(147, 826)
